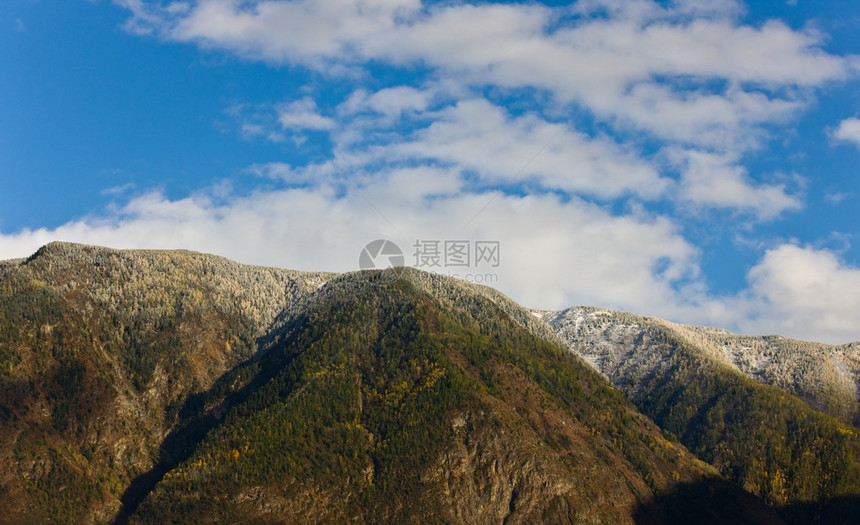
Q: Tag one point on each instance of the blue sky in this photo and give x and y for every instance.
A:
(694, 160)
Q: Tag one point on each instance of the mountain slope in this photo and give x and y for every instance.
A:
(827, 377)
(99, 349)
(760, 436)
(385, 403)
(146, 386)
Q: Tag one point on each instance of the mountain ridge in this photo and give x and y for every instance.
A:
(783, 362)
(762, 437)
(120, 369)
(497, 455)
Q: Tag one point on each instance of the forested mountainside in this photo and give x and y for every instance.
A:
(99, 350)
(698, 384)
(385, 404)
(155, 386)
(825, 376)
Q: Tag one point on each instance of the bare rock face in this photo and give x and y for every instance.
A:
(483, 479)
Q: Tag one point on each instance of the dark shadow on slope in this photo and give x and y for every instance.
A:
(706, 502)
(199, 414)
(836, 511)
(176, 447)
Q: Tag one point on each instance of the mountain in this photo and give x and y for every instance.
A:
(99, 350)
(744, 404)
(161, 386)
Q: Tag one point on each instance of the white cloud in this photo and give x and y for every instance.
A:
(646, 10)
(678, 79)
(689, 71)
(275, 122)
(147, 18)
(284, 172)
(301, 31)
(729, 121)
(686, 81)
(475, 135)
(119, 189)
(302, 114)
(837, 197)
(389, 101)
(553, 253)
(712, 180)
(256, 121)
(848, 131)
(804, 292)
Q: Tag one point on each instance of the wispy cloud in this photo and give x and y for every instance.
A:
(688, 74)
(685, 71)
(119, 190)
(475, 135)
(303, 115)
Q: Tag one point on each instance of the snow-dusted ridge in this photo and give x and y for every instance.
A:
(627, 348)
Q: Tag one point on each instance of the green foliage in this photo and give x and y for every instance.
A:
(67, 490)
(764, 439)
(577, 388)
(818, 374)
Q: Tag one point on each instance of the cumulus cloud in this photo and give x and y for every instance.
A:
(553, 253)
(714, 180)
(848, 131)
(662, 73)
(476, 135)
(302, 31)
(804, 292)
(688, 73)
(391, 101)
